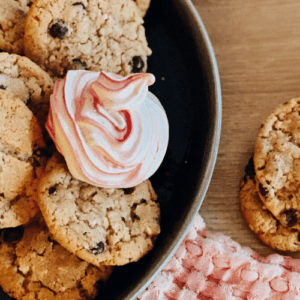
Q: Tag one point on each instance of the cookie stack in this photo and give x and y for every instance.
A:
(213, 266)
(60, 237)
(270, 194)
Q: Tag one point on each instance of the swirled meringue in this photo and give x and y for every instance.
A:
(111, 130)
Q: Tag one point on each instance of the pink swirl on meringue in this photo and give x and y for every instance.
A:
(111, 130)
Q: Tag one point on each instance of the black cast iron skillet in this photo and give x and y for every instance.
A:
(187, 84)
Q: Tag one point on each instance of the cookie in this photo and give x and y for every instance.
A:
(95, 35)
(268, 229)
(143, 6)
(22, 160)
(277, 163)
(27, 81)
(34, 266)
(100, 225)
(13, 14)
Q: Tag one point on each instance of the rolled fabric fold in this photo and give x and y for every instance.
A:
(213, 266)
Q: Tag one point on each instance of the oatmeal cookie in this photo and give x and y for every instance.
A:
(27, 81)
(22, 159)
(106, 35)
(13, 14)
(277, 163)
(100, 225)
(34, 266)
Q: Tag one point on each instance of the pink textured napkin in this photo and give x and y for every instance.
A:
(210, 266)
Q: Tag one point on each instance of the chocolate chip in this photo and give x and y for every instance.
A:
(78, 64)
(291, 217)
(59, 30)
(123, 219)
(13, 234)
(143, 201)
(98, 249)
(129, 191)
(263, 191)
(134, 205)
(79, 3)
(137, 64)
(2, 195)
(2, 87)
(52, 190)
(137, 217)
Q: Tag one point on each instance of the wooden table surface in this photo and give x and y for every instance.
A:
(257, 47)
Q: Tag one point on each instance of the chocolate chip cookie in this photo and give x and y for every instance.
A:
(22, 160)
(277, 163)
(27, 81)
(100, 225)
(13, 14)
(95, 35)
(269, 230)
(34, 266)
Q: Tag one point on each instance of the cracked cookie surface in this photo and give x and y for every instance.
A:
(13, 14)
(33, 266)
(277, 163)
(22, 159)
(27, 81)
(94, 35)
(261, 221)
(100, 225)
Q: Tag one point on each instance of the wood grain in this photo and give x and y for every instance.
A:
(257, 47)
